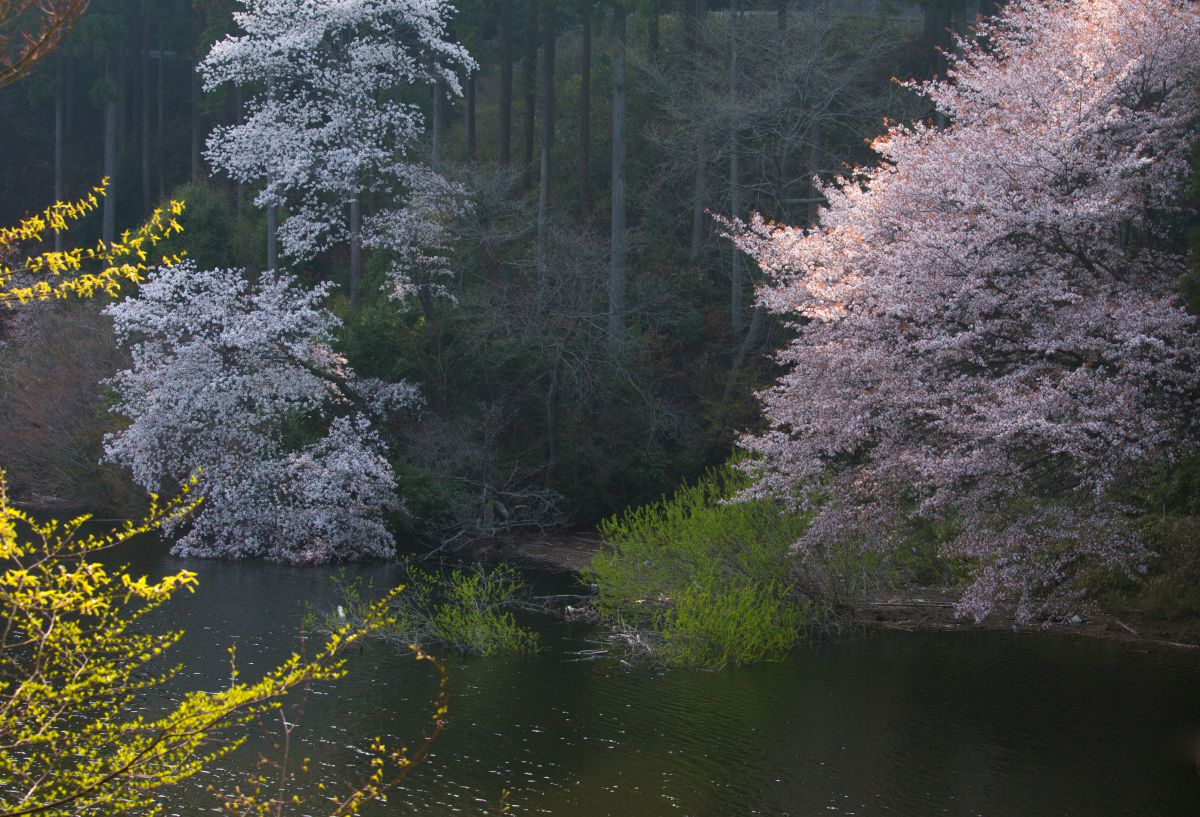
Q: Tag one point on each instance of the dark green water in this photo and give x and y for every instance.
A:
(1023, 724)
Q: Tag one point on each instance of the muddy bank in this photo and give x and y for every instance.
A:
(555, 552)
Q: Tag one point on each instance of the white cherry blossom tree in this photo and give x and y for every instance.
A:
(419, 235)
(326, 121)
(238, 381)
(988, 326)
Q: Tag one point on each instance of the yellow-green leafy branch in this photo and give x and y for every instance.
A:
(82, 271)
(72, 669)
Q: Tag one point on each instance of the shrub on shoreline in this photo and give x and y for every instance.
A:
(467, 609)
(699, 580)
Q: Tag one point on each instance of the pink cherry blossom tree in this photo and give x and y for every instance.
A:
(987, 324)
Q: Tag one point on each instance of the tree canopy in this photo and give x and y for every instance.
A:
(989, 328)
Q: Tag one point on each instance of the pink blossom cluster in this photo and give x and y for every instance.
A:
(988, 331)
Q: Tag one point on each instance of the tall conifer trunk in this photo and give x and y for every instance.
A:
(693, 23)
(585, 111)
(652, 28)
(109, 219)
(735, 190)
(470, 125)
(436, 130)
(239, 104)
(616, 275)
(814, 167)
(195, 126)
(160, 148)
(69, 113)
(197, 134)
(549, 33)
(506, 80)
(146, 149)
(121, 86)
(529, 85)
(59, 138)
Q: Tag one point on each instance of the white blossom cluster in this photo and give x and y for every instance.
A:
(222, 372)
(988, 326)
(325, 119)
(419, 235)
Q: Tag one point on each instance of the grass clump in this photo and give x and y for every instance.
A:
(698, 580)
(469, 610)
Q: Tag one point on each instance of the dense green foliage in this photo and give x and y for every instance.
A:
(704, 580)
(211, 222)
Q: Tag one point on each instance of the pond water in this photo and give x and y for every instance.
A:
(888, 723)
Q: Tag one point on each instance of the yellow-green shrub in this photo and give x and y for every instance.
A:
(706, 579)
(467, 609)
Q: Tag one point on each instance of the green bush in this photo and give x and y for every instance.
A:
(474, 615)
(468, 610)
(707, 581)
(714, 622)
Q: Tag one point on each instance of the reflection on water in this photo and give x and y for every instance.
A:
(890, 724)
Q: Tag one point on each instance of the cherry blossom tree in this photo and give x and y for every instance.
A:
(223, 371)
(988, 331)
(419, 235)
(325, 122)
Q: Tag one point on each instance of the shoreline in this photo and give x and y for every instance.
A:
(932, 610)
(918, 609)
